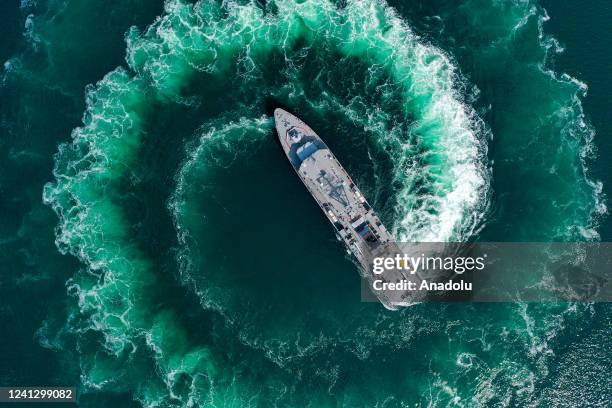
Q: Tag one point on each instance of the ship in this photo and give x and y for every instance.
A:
(356, 223)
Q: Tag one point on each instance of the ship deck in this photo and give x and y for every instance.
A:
(356, 223)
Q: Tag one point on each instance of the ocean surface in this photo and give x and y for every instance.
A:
(156, 249)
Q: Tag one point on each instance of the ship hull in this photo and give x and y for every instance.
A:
(344, 205)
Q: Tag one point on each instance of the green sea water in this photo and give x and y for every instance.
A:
(157, 250)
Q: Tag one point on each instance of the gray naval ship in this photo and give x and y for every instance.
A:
(354, 220)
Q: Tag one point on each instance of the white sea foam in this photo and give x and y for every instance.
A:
(440, 158)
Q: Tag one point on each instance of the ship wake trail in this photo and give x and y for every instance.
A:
(433, 142)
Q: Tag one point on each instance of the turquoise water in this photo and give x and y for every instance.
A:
(149, 253)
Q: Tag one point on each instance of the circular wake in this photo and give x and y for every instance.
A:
(192, 105)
